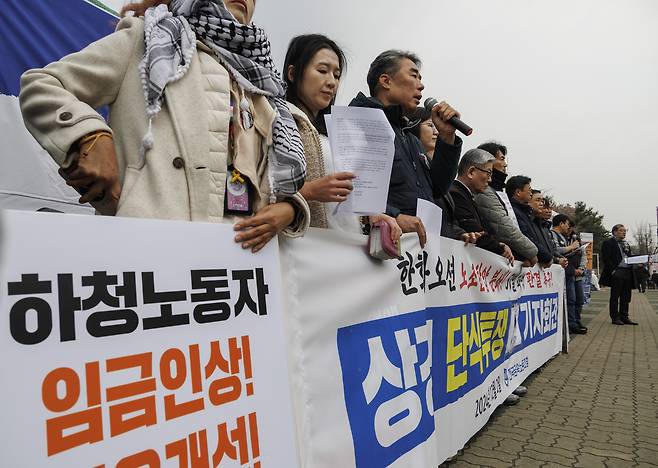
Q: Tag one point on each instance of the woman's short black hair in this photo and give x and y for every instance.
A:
(301, 51)
(417, 118)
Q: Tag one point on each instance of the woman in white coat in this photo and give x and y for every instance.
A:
(198, 127)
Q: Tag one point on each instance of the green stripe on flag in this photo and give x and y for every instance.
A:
(103, 7)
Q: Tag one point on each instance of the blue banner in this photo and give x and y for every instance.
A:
(398, 371)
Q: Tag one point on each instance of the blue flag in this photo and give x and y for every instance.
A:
(38, 32)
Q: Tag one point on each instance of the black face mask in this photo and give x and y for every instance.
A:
(498, 179)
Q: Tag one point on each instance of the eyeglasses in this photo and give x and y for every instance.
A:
(487, 171)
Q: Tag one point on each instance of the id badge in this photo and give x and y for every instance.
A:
(237, 193)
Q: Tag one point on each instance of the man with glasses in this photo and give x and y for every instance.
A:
(473, 177)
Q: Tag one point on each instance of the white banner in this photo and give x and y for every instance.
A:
(131, 343)
(399, 363)
(149, 343)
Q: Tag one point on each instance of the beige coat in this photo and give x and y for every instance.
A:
(177, 179)
(315, 168)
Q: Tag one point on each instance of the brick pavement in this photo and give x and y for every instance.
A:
(595, 407)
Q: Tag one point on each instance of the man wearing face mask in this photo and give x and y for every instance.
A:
(496, 216)
(395, 85)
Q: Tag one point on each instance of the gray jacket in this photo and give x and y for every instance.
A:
(497, 220)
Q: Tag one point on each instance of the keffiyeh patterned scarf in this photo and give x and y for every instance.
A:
(244, 50)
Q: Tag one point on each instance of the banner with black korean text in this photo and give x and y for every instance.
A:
(139, 343)
(399, 363)
(133, 343)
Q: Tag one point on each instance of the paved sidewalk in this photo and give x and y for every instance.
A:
(595, 407)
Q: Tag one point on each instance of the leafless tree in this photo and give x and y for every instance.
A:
(643, 237)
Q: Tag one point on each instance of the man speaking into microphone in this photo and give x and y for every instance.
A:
(396, 87)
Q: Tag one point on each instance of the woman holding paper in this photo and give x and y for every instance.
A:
(313, 68)
(198, 129)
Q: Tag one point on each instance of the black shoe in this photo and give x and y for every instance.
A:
(627, 321)
(617, 322)
(582, 326)
(577, 330)
(511, 400)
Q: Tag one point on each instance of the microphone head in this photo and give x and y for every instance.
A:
(430, 102)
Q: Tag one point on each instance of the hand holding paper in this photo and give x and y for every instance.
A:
(362, 142)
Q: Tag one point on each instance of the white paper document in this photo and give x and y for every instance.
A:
(637, 260)
(362, 142)
(431, 216)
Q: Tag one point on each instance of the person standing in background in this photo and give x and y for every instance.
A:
(618, 275)
(642, 277)
(581, 270)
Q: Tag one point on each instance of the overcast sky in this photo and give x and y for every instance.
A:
(571, 87)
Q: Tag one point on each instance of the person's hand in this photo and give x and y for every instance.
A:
(507, 253)
(95, 175)
(396, 230)
(441, 113)
(579, 272)
(530, 262)
(564, 263)
(574, 245)
(332, 188)
(471, 237)
(413, 224)
(256, 231)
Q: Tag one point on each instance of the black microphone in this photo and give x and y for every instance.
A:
(430, 102)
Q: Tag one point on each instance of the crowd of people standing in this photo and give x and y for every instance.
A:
(203, 127)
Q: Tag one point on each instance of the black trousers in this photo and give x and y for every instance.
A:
(620, 293)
